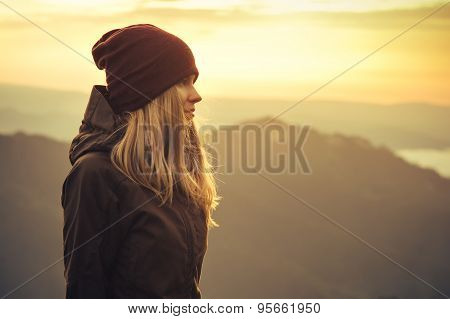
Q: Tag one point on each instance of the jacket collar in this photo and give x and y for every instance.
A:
(100, 128)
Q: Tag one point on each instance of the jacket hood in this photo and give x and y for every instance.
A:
(100, 128)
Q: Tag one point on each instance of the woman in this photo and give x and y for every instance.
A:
(138, 199)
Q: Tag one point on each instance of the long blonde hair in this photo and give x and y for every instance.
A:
(163, 151)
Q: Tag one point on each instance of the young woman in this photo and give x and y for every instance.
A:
(138, 199)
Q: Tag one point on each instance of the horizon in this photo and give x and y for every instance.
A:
(253, 99)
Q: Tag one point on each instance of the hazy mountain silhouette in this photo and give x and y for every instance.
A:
(32, 170)
(403, 126)
(273, 245)
(269, 245)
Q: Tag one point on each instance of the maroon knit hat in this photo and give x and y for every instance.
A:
(141, 62)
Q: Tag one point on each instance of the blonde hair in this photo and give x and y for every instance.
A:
(163, 151)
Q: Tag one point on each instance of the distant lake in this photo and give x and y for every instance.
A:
(437, 159)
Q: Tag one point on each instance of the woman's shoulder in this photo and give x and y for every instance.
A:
(93, 160)
(97, 165)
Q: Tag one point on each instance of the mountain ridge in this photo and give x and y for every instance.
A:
(268, 245)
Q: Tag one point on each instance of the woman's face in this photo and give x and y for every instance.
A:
(189, 95)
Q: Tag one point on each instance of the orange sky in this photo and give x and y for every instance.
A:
(246, 48)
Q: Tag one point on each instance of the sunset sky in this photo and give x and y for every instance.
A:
(251, 49)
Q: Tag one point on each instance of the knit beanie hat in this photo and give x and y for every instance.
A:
(141, 62)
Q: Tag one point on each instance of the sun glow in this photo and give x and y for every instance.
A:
(242, 52)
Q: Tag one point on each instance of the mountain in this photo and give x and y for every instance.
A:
(280, 236)
(32, 170)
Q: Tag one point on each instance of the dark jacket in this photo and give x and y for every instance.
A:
(118, 241)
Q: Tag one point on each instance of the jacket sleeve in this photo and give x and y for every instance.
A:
(86, 199)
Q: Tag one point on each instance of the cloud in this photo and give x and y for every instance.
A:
(381, 19)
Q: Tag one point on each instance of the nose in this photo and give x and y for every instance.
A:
(195, 96)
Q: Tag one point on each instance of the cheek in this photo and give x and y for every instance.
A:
(184, 98)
